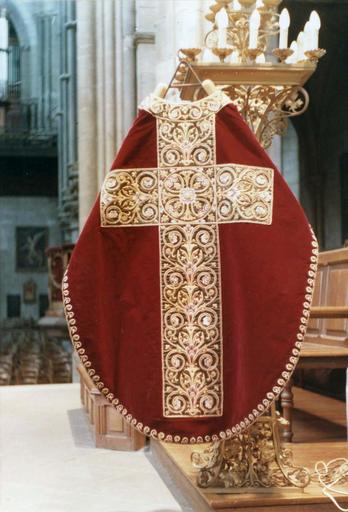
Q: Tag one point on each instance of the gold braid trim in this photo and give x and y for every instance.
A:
(225, 434)
(185, 110)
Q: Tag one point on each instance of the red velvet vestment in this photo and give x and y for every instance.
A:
(188, 292)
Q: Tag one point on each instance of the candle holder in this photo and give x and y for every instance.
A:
(282, 53)
(223, 3)
(265, 93)
(271, 3)
(222, 53)
(190, 53)
(315, 55)
(252, 53)
(246, 3)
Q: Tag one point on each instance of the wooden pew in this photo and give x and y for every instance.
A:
(326, 342)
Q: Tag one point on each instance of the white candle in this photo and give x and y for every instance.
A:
(236, 5)
(260, 59)
(315, 25)
(307, 36)
(300, 47)
(259, 4)
(254, 24)
(284, 22)
(208, 56)
(221, 20)
(234, 59)
(293, 57)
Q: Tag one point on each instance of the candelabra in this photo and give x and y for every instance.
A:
(264, 80)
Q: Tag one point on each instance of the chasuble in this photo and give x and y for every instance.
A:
(188, 292)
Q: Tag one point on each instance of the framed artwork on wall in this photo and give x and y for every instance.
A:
(29, 292)
(31, 244)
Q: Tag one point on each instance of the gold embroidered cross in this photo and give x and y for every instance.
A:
(187, 204)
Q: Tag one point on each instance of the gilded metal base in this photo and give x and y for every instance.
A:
(254, 461)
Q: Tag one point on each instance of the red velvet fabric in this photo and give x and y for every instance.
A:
(114, 288)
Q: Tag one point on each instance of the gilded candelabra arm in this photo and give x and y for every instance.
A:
(298, 476)
(288, 102)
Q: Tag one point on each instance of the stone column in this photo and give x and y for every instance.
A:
(275, 152)
(179, 25)
(87, 128)
(106, 89)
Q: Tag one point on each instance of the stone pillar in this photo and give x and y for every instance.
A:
(146, 51)
(180, 24)
(275, 152)
(87, 128)
(106, 89)
(67, 123)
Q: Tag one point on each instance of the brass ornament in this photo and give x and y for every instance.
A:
(315, 55)
(251, 461)
(191, 54)
(282, 53)
(266, 108)
(222, 53)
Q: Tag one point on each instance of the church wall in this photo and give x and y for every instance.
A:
(290, 159)
(145, 26)
(336, 145)
(22, 212)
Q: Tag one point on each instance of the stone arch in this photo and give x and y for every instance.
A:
(25, 25)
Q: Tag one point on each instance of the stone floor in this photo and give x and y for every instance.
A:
(49, 463)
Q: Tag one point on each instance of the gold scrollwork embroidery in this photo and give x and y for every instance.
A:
(190, 273)
(187, 194)
(220, 193)
(186, 143)
(129, 197)
(183, 111)
(186, 131)
(188, 203)
(192, 350)
(244, 193)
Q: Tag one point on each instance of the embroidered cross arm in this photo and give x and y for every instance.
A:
(210, 194)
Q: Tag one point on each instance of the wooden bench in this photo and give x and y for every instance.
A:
(326, 342)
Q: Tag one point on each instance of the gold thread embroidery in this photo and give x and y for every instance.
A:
(191, 201)
(191, 110)
(219, 193)
(187, 194)
(160, 111)
(244, 193)
(186, 131)
(229, 432)
(191, 321)
(129, 197)
(186, 143)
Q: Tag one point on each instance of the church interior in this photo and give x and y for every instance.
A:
(73, 74)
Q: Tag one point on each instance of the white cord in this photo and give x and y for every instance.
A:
(331, 473)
